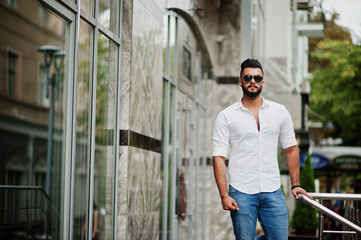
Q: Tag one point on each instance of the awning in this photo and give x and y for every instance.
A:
(317, 160)
(347, 158)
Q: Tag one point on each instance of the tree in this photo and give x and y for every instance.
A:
(304, 218)
(331, 31)
(336, 88)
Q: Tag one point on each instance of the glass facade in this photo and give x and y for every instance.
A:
(105, 124)
(109, 15)
(58, 120)
(184, 121)
(82, 160)
(104, 115)
(67, 168)
(33, 119)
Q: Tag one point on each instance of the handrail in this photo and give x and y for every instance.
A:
(336, 196)
(324, 210)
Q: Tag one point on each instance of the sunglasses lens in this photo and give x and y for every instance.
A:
(258, 78)
(247, 78)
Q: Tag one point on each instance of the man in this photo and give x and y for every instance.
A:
(252, 127)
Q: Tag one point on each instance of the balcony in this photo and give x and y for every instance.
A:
(25, 212)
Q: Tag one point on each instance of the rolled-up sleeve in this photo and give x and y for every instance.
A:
(287, 136)
(220, 136)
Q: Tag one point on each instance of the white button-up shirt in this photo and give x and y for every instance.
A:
(253, 162)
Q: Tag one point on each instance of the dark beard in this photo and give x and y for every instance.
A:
(251, 94)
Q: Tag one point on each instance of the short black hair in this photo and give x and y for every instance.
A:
(251, 63)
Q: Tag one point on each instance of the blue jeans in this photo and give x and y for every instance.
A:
(270, 209)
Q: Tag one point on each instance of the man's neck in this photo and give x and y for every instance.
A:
(252, 103)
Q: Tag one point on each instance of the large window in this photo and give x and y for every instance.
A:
(82, 159)
(95, 161)
(58, 118)
(32, 143)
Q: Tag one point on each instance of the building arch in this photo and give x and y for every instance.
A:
(197, 33)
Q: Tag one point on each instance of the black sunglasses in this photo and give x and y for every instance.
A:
(248, 78)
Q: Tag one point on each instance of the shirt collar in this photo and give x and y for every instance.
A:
(264, 104)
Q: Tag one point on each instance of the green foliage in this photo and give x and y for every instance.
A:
(307, 179)
(331, 31)
(336, 88)
(304, 217)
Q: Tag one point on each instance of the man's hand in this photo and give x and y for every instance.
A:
(229, 204)
(299, 190)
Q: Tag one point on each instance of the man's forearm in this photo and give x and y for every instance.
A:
(220, 174)
(293, 163)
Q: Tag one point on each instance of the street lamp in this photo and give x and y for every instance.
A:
(59, 55)
(51, 53)
(303, 133)
(305, 92)
(48, 51)
(58, 63)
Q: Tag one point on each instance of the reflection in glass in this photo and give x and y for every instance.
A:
(169, 35)
(201, 157)
(182, 163)
(82, 131)
(165, 43)
(172, 42)
(203, 82)
(109, 15)
(104, 150)
(166, 166)
(32, 133)
(163, 167)
(187, 63)
(104, 165)
(201, 78)
(88, 6)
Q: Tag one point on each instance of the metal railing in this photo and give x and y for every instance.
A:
(350, 220)
(23, 208)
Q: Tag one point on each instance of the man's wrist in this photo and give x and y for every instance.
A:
(224, 196)
(294, 186)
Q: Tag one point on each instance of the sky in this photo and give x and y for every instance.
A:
(350, 15)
